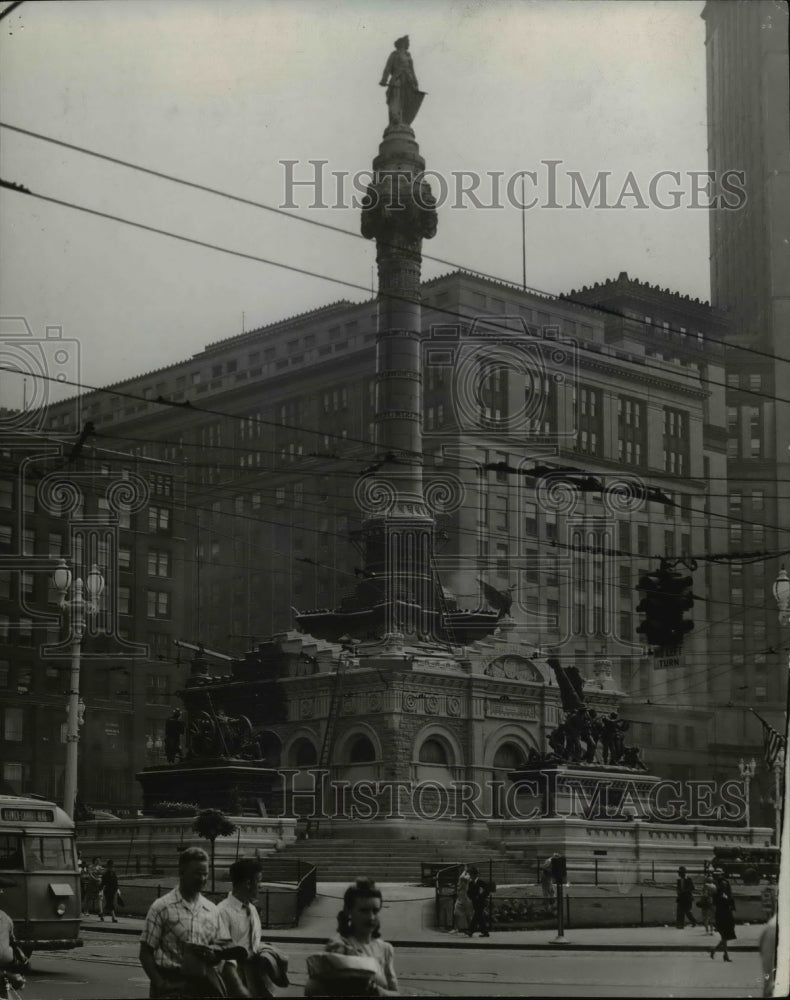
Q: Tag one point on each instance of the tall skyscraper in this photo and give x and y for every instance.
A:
(748, 113)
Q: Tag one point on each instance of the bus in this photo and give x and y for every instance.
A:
(38, 868)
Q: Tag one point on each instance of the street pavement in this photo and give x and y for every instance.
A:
(107, 968)
(587, 962)
(408, 916)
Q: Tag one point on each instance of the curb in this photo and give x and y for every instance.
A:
(568, 944)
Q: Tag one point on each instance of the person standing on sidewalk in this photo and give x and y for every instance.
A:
(723, 914)
(479, 894)
(547, 883)
(462, 909)
(705, 902)
(109, 891)
(684, 890)
(91, 886)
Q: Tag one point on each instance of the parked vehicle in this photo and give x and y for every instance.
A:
(749, 864)
(38, 865)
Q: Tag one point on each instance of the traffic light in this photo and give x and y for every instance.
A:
(676, 590)
(667, 596)
(559, 868)
(655, 625)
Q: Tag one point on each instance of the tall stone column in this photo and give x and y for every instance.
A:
(398, 530)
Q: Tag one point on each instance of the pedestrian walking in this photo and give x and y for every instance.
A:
(462, 909)
(109, 891)
(684, 896)
(263, 966)
(705, 902)
(90, 882)
(357, 961)
(181, 935)
(547, 883)
(479, 893)
(723, 914)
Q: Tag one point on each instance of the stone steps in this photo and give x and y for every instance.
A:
(401, 861)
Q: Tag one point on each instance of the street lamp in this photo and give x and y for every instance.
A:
(782, 596)
(747, 773)
(78, 609)
(779, 768)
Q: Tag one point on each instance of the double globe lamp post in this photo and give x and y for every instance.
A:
(79, 608)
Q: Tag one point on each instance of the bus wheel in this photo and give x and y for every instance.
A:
(750, 876)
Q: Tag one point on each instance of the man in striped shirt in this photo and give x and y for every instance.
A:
(181, 935)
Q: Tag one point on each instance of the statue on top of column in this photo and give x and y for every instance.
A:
(403, 94)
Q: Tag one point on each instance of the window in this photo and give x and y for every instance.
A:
(158, 604)
(14, 774)
(303, 753)
(642, 540)
(158, 519)
(162, 485)
(758, 500)
(13, 725)
(433, 752)
(631, 431)
(156, 689)
(589, 420)
(501, 519)
(6, 494)
(361, 751)
(124, 598)
(676, 441)
(10, 849)
(48, 853)
(28, 542)
(124, 558)
(158, 563)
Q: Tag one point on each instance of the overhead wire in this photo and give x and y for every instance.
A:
(492, 321)
(286, 213)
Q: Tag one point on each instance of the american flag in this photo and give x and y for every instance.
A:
(773, 743)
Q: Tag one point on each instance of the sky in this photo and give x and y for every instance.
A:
(220, 94)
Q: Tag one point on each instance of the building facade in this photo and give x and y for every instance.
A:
(56, 504)
(748, 111)
(616, 384)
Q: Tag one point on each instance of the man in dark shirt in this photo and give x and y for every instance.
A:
(478, 893)
(684, 889)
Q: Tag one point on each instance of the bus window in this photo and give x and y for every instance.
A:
(10, 852)
(48, 854)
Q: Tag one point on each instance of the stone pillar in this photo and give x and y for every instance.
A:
(399, 213)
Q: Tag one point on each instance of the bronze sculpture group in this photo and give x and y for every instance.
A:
(583, 735)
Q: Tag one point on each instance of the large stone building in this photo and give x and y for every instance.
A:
(618, 382)
(55, 504)
(748, 113)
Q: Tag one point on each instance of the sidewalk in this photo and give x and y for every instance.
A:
(408, 915)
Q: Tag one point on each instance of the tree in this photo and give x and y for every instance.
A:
(210, 824)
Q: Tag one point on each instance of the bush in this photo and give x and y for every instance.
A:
(165, 810)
